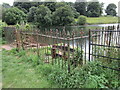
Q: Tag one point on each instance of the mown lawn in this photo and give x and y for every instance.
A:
(102, 20)
(19, 73)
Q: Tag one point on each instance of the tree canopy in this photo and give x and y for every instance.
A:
(111, 9)
(63, 16)
(80, 6)
(94, 9)
(31, 14)
(43, 16)
(13, 16)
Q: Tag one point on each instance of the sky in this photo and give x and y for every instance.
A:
(106, 2)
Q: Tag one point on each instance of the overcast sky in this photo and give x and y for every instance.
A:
(106, 2)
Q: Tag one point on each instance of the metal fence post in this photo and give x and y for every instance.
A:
(89, 44)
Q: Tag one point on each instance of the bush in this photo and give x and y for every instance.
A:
(13, 16)
(88, 76)
(81, 20)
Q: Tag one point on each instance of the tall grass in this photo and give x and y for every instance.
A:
(20, 71)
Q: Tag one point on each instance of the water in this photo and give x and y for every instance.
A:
(82, 43)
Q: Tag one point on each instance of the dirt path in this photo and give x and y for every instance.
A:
(7, 47)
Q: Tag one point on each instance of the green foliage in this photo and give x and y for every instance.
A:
(94, 9)
(60, 4)
(81, 7)
(13, 16)
(88, 76)
(27, 27)
(31, 14)
(26, 5)
(111, 9)
(2, 25)
(78, 55)
(63, 16)
(17, 26)
(81, 20)
(43, 16)
(75, 13)
(6, 5)
(50, 5)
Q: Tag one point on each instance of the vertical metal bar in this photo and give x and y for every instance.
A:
(68, 53)
(64, 52)
(89, 44)
(62, 48)
(73, 58)
(51, 44)
(37, 43)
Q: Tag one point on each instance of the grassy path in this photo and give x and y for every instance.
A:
(20, 74)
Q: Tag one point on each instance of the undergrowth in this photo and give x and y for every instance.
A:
(88, 76)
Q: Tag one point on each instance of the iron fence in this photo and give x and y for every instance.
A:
(68, 50)
(105, 45)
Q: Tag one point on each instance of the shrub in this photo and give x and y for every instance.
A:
(81, 20)
(13, 16)
(88, 76)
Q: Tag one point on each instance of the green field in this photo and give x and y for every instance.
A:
(102, 20)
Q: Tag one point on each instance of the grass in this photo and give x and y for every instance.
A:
(20, 70)
(20, 73)
(102, 20)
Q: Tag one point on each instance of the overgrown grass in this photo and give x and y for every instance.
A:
(102, 20)
(20, 72)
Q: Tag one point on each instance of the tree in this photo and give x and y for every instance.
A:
(111, 9)
(6, 5)
(13, 15)
(63, 16)
(43, 16)
(94, 9)
(31, 14)
(50, 5)
(70, 6)
(60, 4)
(80, 6)
(26, 5)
